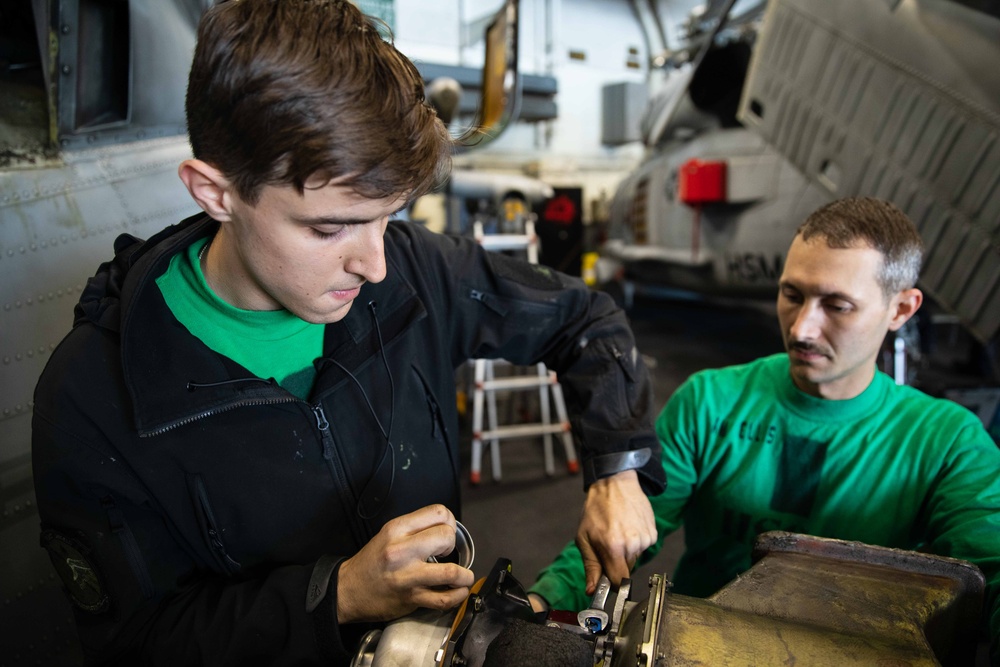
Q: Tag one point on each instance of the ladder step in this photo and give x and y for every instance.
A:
(506, 241)
(519, 382)
(523, 431)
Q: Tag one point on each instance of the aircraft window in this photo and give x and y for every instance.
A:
(19, 59)
(23, 104)
(102, 81)
(717, 84)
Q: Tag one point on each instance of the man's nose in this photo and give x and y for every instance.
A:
(367, 255)
(806, 325)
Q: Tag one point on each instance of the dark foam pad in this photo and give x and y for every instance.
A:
(524, 644)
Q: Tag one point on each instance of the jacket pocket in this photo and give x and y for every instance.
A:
(209, 528)
(438, 431)
(133, 554)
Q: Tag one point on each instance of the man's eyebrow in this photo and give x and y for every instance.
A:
(812, 289)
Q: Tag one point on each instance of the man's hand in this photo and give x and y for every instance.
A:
(390, 576)
(617, 525)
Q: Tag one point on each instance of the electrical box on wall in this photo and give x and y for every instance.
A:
(622, 105)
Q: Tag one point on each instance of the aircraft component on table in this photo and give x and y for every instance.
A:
(806, 600)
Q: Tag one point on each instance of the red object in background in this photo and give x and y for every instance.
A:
(560, 209)
(702, 181)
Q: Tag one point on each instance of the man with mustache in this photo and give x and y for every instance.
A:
(817, 440)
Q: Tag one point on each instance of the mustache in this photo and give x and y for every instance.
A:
(811, 348)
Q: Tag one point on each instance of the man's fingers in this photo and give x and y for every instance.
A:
(420, 520)
(616, 568)
(440, 598)
(591, 564)
(449, 575)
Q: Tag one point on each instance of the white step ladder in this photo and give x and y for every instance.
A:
(486, 384)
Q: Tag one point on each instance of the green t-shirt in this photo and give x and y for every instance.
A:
(746, 452)
(268, 343)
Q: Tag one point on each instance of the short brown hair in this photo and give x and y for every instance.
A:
(281, 91)
(878, 224)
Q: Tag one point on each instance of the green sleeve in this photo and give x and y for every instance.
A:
(563, 582)
(963, 515)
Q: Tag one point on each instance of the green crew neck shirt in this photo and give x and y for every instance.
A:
(268, 343)
(745, 452)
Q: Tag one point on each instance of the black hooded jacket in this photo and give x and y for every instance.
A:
(187, 502)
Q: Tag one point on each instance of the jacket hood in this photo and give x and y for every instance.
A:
(101, 300)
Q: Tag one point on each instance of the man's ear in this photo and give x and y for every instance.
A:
(904, 306)
(208, 187)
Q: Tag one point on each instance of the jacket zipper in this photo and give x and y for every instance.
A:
(211, 528)
(332, 462)
(214, 411)
(131, 548)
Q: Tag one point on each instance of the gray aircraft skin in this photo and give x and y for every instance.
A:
(898, 99)
(91, 133)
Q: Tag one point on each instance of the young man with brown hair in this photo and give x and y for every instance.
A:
(817, 440)
(236, 465)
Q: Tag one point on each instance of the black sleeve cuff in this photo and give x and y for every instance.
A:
(650, 471)
(321, 605)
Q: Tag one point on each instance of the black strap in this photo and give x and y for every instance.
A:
(611, 464)
(322, 608)
(319, 582)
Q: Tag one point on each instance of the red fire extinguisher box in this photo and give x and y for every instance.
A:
(702, 181)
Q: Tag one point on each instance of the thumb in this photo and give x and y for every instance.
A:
(591, 565)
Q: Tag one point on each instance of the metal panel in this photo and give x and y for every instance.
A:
(56, 225)
(622, 106)
(898, 100)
